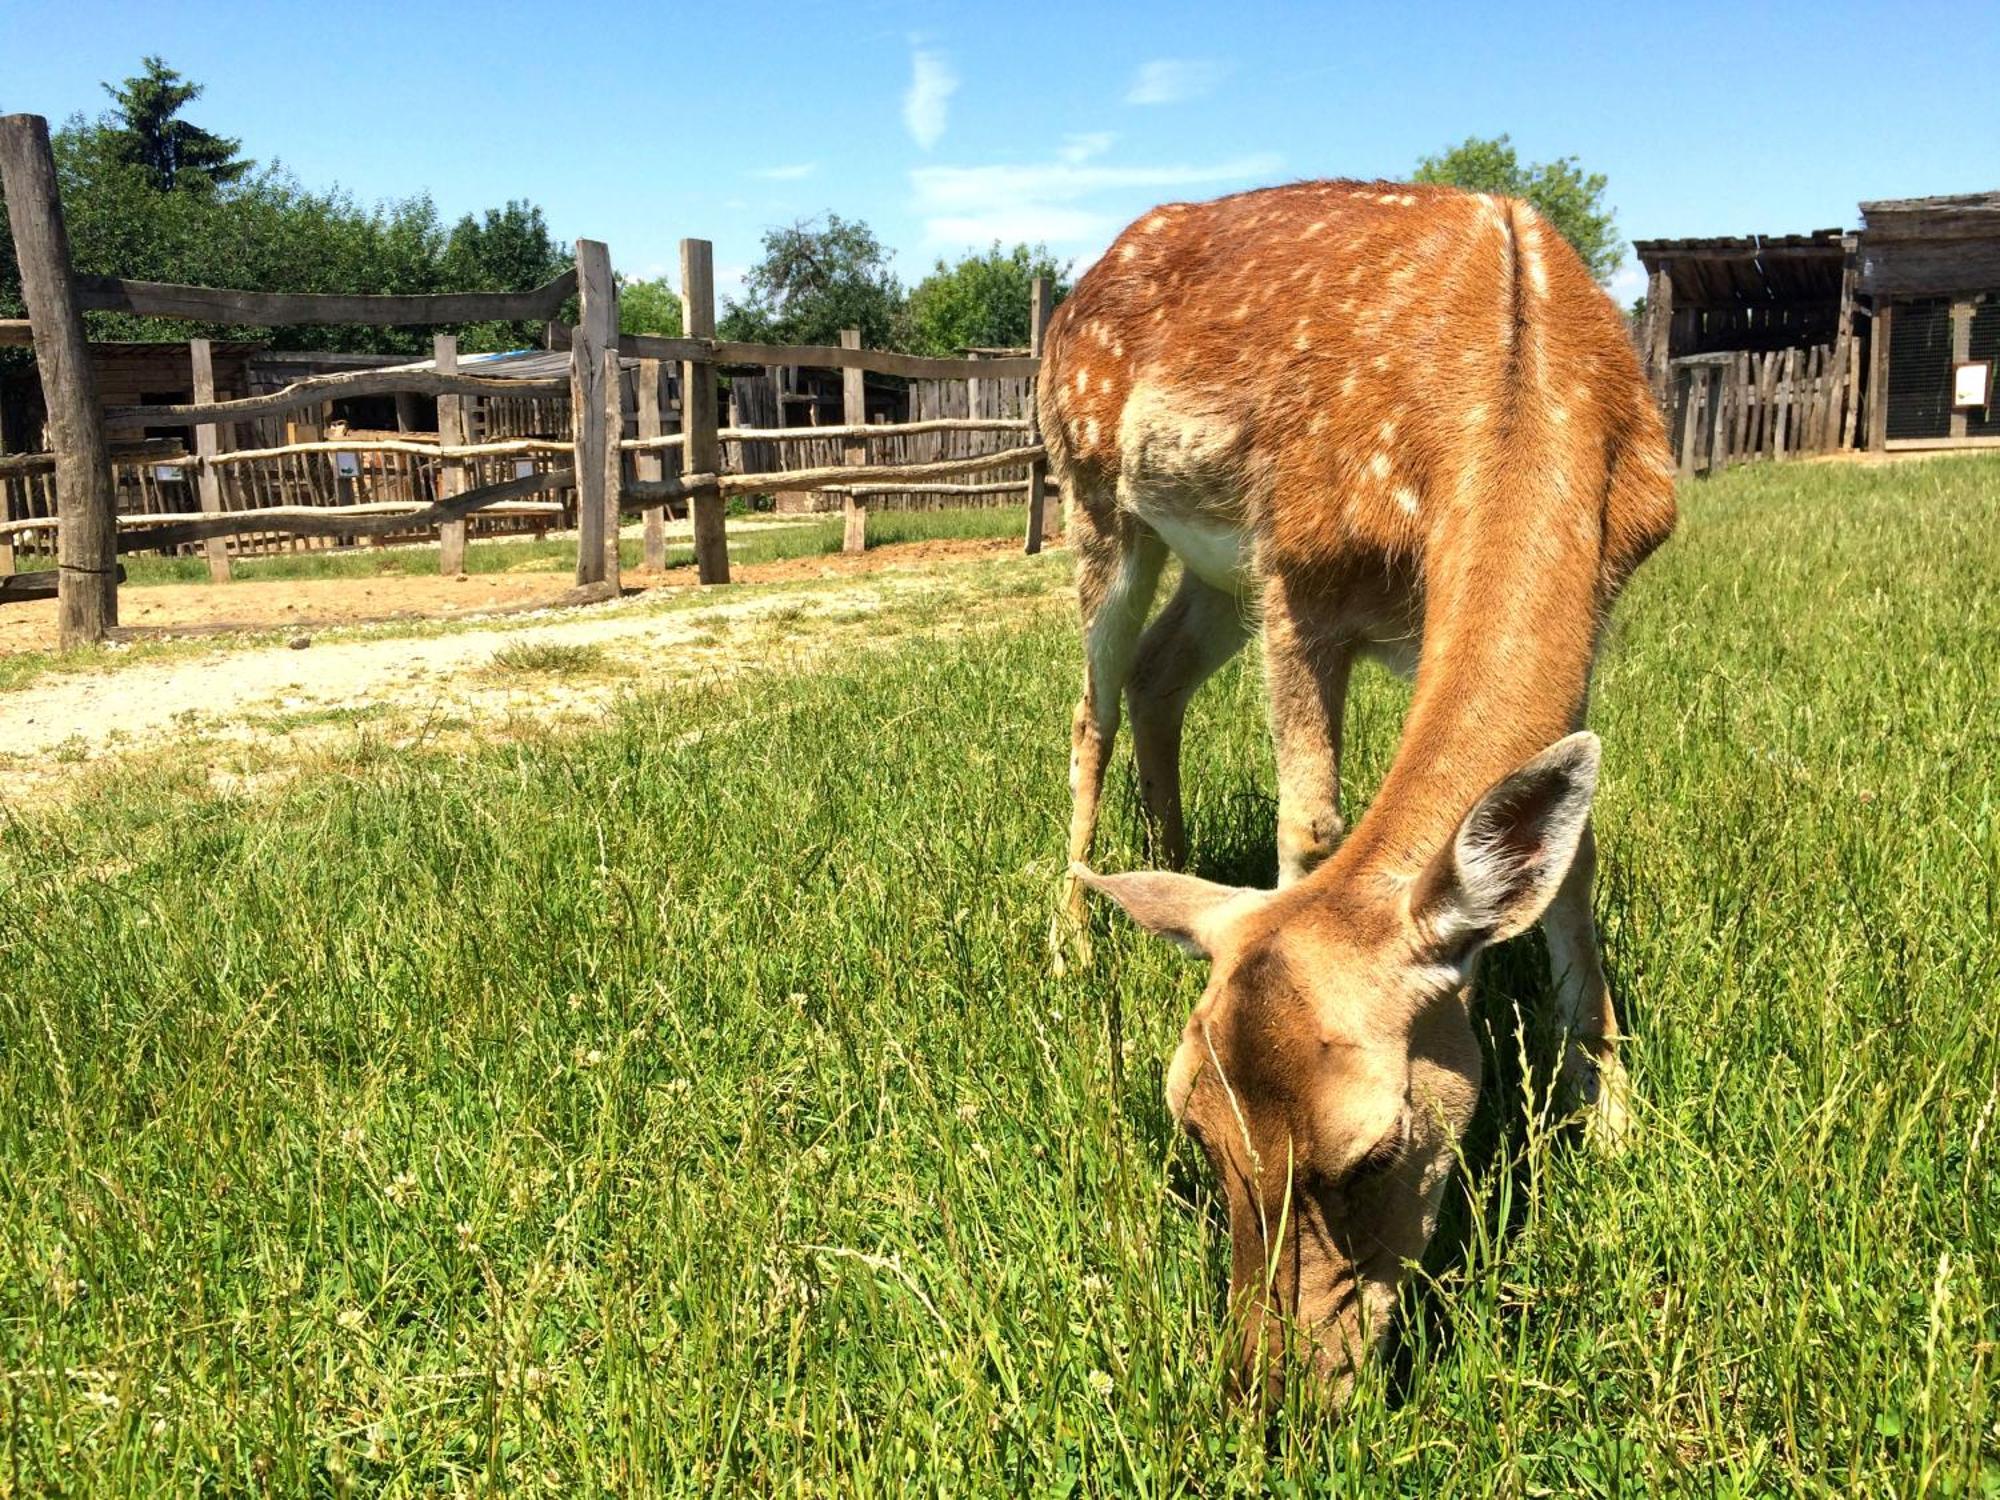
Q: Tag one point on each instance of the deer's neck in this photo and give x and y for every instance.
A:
(1510, 630)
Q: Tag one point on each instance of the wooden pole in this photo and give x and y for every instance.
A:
(87, 538)
(1039, 500)
(596, 331)
(1878, 377)
(451, 471)
(1659, 328)
(648, 464)
(1961, 350)
(208, 443)
(701, 451)
(854, 452)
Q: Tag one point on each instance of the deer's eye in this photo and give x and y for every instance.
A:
(1384, 1154)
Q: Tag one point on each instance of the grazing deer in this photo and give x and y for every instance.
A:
(1387, 421)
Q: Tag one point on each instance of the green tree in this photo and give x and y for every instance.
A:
(982, 302)
(147, 132)
(649, 306)
(815, 279)
(1568, 197)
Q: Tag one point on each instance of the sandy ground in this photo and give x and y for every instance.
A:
(228, 694)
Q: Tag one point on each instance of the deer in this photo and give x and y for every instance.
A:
(1372, 421)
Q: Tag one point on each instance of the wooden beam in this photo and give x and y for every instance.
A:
(1039, 304)
(701, 453)
(854, 412)
(159, 299)
(16, 333)
(451, 481)
(87, 541)
(320, 388)
(1659, 334)
(694, 348)
(596, 331)
(1878, 376)
(207, 443)
(648, 467)
(19, 588)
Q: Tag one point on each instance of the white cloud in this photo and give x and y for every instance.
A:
(928, 98)
(1172, 80)
(1055, 201)
(1628, 284)
(1081, 148)
(791, 172)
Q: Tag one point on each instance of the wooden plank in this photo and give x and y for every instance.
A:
(317, 389)
(1659, 327)
(207, 443)
(19, 588)
(708, 350)
(647, 466)
(874, 430)
(504, 448)
(1689, 405)
(1039, 303)
(1878, 377)
(1852, 403)
(854, 412)
(451, 480)
(1961, 350)
(16, 333)
(701, 453)
(87, 541)
(596, 331)
(160, 299)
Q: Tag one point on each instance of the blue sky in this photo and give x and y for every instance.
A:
(947, 126)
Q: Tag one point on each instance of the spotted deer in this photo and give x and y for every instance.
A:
(1381, 421)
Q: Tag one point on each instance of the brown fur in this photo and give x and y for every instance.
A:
(1427, 426)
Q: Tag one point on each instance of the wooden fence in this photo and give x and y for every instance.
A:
(1732, 407)
(351, 487)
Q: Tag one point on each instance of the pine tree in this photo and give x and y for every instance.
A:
(146, 130)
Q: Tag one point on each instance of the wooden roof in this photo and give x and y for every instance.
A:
(1931, 247)
(1731, 270)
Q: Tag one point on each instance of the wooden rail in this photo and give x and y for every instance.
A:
(832, 477)
(826, 357)
(162, 299)
(319, 388)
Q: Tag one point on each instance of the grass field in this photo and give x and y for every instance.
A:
(761, 541)
(687, 1106)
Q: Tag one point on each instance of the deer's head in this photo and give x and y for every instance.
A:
(1330, 1066)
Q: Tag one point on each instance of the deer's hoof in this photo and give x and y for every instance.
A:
(1595, 1091)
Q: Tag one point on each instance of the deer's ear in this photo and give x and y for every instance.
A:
(1188, 912)
(1506, 862)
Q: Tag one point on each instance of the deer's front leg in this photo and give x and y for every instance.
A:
(1592, 1079)
(1307, 671)
(1115, 584)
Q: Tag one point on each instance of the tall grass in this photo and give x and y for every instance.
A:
(688, 1107)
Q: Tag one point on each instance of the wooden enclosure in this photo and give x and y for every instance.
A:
(582, 434)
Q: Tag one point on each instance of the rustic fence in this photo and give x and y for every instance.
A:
(349, 488)
(1732, 407)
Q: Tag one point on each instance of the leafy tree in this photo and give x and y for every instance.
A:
(815, 279)
(982, 302)
(649, 306)
(147, 132)
(1568, 197)
(503, 250)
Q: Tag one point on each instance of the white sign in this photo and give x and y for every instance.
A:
(1970, 383)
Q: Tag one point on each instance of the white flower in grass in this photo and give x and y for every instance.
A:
(351, 1319)
(402, 1188)
(1100, 1384)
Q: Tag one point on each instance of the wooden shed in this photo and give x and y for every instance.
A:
(1930, 269)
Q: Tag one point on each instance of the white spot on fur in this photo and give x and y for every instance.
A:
(1407, 499)
(1082, 381)
(1379, 466)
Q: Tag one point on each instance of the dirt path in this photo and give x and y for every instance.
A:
(321, 603)
(213, 699)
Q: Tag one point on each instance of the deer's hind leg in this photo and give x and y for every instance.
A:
(1199, 630)
(1308, 657)
(1117, 571)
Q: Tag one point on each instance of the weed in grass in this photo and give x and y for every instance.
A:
(549, 658)
(687, 1105)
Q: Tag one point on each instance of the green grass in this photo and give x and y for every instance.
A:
(750, 544)
(686, 1106)
(548, 659)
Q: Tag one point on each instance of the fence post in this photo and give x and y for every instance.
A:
(648, 466)
(208, 443)
(854, 451)
(87, 536)
(701, 450)
(451, 471)
(1878, 374)
(596, 331)
(1038, 471)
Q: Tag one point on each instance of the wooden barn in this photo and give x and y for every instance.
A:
(1887, 336)
(1930, 269)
